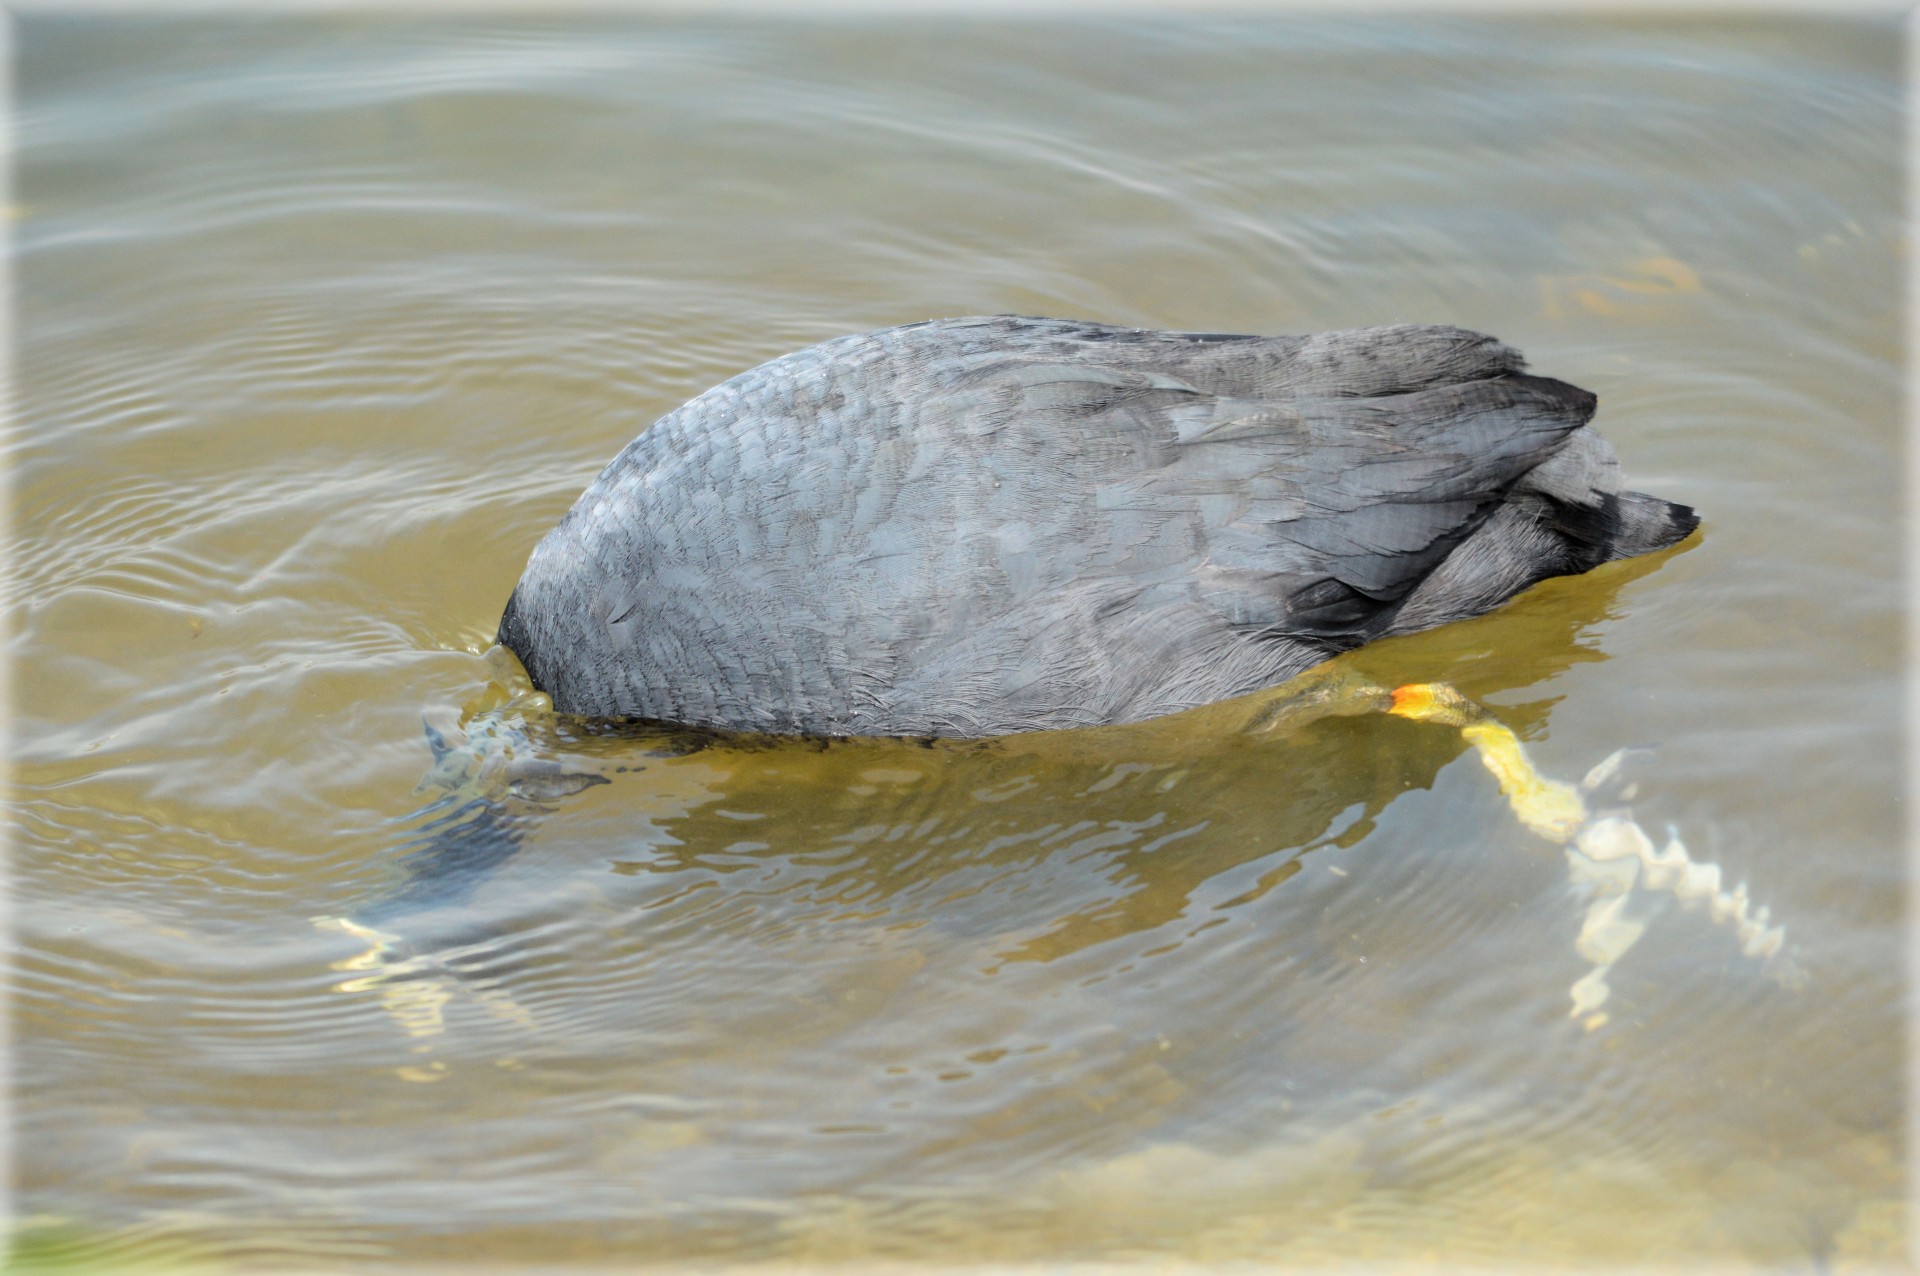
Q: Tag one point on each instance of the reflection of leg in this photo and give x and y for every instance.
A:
(1608, 853)
(1617, 837)
(1605, 934)
(499, 1003)
(414, 989)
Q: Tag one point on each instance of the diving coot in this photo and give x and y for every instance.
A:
(972, 527)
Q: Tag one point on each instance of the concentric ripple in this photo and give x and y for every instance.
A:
(322, 321)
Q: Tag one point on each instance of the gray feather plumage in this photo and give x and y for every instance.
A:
(980, 526)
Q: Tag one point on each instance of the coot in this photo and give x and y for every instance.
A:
(973, 527)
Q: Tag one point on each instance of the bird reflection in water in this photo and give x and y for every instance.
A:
(879, 815)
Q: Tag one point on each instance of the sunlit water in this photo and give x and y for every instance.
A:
(322, 322)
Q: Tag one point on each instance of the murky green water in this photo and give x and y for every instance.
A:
(321, 322)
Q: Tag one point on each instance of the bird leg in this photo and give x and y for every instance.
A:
(1547, 807)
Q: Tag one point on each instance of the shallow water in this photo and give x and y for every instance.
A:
(321, 322)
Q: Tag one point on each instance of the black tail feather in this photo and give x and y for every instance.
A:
(1618, 525)
(1648, 523)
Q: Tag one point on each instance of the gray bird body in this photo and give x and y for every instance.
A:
(974, 527)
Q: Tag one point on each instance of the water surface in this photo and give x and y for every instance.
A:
(322, 321)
